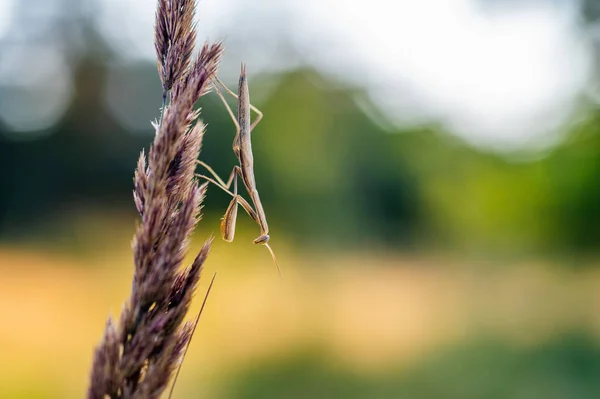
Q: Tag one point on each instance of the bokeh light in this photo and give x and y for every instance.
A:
(429, 170)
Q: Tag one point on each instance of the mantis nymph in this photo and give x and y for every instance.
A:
(242, 147)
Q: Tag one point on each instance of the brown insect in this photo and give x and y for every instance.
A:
(242, 147)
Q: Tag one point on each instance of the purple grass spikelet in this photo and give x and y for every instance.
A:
(137, 357)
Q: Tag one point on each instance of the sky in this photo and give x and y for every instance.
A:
(498, 77)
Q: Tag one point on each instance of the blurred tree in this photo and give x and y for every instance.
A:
(329, 174)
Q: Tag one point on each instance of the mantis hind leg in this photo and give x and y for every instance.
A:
(236, 144)
(219, 183)
(259, 114)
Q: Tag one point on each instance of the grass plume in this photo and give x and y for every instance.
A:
(174, 37)
(138, 356)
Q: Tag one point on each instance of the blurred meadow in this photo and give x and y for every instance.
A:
(430, 172)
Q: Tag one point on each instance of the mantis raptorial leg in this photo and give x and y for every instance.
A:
(242, 147)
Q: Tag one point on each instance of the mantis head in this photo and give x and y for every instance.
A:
(262, 239)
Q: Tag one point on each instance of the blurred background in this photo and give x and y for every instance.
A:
(430, 172)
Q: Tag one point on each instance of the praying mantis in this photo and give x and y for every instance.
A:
(242, 147)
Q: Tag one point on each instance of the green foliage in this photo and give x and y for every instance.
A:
(568, 368)
(328, 173)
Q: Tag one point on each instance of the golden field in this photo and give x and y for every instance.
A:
(365, 312)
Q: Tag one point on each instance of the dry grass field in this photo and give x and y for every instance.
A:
(364, 313)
